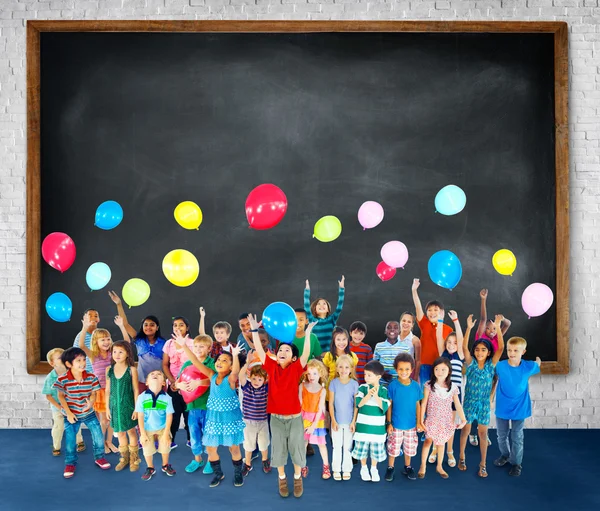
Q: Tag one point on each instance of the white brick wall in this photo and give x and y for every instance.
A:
(571, 401)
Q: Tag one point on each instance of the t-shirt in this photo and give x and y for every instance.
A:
(512, 393)
(88, 345)
(77, 392)
(283, 387)
(429, 348)
(254, 403)
(329, 362)
(149, 356)
(48, 389)
(493, 340)
(404, 403)
(370, 421)
(343, 400)
(364, 352)
(155, 409)
(177, 357)
(457, 365)
(315, 347)
(386, 353)
(200, 403)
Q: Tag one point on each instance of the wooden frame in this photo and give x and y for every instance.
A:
(561, 80)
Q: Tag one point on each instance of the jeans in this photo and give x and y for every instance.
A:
(71, 430)
(425, 374)
(342, 446)
(196, 422)
(58, 428)
(513, 450)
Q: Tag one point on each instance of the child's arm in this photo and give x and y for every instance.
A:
(354, 415)
(136, 388)
(53, 401)
(483, 313)
(372, 393)
(420, 426)
(416, 299)
(466, 353)
(107, 393)
(85, 322)
(202, 315)
(538, 361)
(306, 350)
(167, 371)
(334, 424)
(423, 408)
(121, 312)
(260, 351)
(461, 412)
(143, 435)
(235, 368)
(388, 418)
(120, 322)
(244, 373)
(167, 433)
(500, 350)
(505, 325)
(340, 303)
(439, 336)
(320, 413)
(417, 346)
(459, 335)
(63, 401)
(384, 404)
(309, 315)
(207, 371)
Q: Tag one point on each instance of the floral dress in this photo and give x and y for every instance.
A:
(224, 423)
(440, 417)
(477, 392)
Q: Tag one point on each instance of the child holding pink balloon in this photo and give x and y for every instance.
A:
(320, 312)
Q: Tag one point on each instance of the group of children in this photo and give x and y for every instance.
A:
(259, 393)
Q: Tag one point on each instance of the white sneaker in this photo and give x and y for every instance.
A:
(364, 473)
(375, 475)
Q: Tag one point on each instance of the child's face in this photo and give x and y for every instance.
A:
(93, 317)
(223, 364)
(257, 381)
(302, 321)
(404, 370)
(57, 365)
(179, 327)
(441, 372)
(264, 341)
(451, 344)
(357, 336)
(78, 364)
(341, 342)
(150, 328)
(515, 352)
(285, 355)
(406, 323)
(481, 352)
(434, 313)
(104, 343)
(343, 369)
(371, 378)
(155, 380)
(490, 329)
(312, 375)
(221, 335)
(392, 329)
(200, 350)
(322, 308)
(119, 354)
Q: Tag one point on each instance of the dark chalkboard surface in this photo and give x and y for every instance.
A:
(150, 120)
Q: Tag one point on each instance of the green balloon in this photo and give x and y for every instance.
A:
(135, 292)
(328, 229)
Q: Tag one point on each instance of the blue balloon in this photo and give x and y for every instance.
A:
(97, 276)
(445, 269)
(450, 200)
(59, 307)
(108, 215)
(279, 320)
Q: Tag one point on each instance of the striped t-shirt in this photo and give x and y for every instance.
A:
(457, 365)
(254, 403)
(78, 391)
(370, 422)
(386, 353)
(324, 327)
(364, 353)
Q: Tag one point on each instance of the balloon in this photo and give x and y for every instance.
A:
(108, 215)
(450, 200)
(191, 373)
(265, 206)
(370, 214)
(504, 262)
(279, 320)
(135, 292)
(385, 272)
(58, 250)
(181, 267)
(327, 229)
(394, 254)
(445, 269)
(97, 276)
(537, 299)
(59, 307)
(188, 215)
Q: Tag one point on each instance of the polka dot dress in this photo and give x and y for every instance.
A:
(224, 424)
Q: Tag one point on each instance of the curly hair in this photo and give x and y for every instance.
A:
(321, 369)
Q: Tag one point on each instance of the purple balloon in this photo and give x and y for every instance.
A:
(537, 299)
(370, 214)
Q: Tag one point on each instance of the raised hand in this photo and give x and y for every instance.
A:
(341, 281)
(253, 321)
(119, 321)
(415, 285)
(538, 361)
(453, 315)
(307, 284)
(85, 322)
(470, 321)
(483, 293)
(498, 320)
(236, 350)
(178, 339)
(202, 312)
(309, 329)
(114, 297)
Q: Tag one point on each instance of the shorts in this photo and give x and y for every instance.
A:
(400, 437)
(361, 451)
(287, 438)
(256, 432)
(100, 403)
(164, 446)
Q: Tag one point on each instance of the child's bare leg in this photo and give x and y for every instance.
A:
(150, 461)
(213, 454)
(165, 459)
(281, 471)
(109, 438)
(324, 454)
(483, 445)
(391, 461)
(464, 436)
(440, 458)
(265, 454)
(133, 438)
(248, 458)
(407, 459)
(236, 453)
(297, 471)
(424, 455)
(122, 438)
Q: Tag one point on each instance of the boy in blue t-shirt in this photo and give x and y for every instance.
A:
(513, 402)
(402, 416)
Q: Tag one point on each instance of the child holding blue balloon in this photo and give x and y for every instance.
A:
(320, 312)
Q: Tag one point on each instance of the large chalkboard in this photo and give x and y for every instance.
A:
(334, 119)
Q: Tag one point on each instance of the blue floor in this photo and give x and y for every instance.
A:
(560, 471)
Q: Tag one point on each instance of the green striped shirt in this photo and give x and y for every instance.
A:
(370, 422)
(324, 327)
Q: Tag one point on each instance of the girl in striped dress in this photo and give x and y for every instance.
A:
(320, 312)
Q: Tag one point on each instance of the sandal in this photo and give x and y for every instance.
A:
(421, 475)
(55, 452)
(433, 456)
(337, 476)
(326, 472)
(482, 471)
(462, 464)
(451, 459)
(443, 474)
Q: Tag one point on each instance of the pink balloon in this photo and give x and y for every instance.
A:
(192, 373)
(385, 272)
(394, 254)
(537, 299)
(370, 214)
(58, 250)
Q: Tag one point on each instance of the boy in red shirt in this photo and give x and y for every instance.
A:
(287, 427)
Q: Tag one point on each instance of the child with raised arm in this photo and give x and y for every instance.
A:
(363, 352)
(513, 404)
(481, 364)
(320, 312)
(315, 346)
(287, 428)
(221, 332)
(224, 423)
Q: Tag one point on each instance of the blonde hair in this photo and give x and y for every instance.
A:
(53, 352)
(204, 339)
(349, 361)
(98, 333)
(321, 369)
(517, 341)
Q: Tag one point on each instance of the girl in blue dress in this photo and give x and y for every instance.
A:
(224, 423)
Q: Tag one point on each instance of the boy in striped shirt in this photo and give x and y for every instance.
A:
(76, 393)
(372, 404)
(364, 352)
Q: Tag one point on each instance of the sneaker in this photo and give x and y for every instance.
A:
(515, 471)
(389, 474)
(69, 471)
(364, 473)
(266, 466)
(193, 466)
(246, 469)
(283, 487)
(216, 480)
(375, 475)
(304, 472)
(501, 461)
(189, 444)
(102, 463)
(148, 474)
(207, 469)
(337, 476)
(173, 445)
(473, 440)
(298, 487)
(238, 479)
(410, 473)
(81, 447)
(168, 469)
(326, 472)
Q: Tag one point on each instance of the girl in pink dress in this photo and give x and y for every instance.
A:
(438, 395)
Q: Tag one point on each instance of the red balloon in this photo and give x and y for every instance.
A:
(265, 206)
(58, 250)
(192, 373)
(385, 272)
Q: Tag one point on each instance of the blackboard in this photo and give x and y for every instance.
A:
(333, 118)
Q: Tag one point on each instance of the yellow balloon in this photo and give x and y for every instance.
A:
(327, 229)
(504, 262)
(181, 267)
(188, 215)
(135, 292)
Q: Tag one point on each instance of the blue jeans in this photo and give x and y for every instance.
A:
(424, 374)
(196, 423)
(513, 450)
(91, 421)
